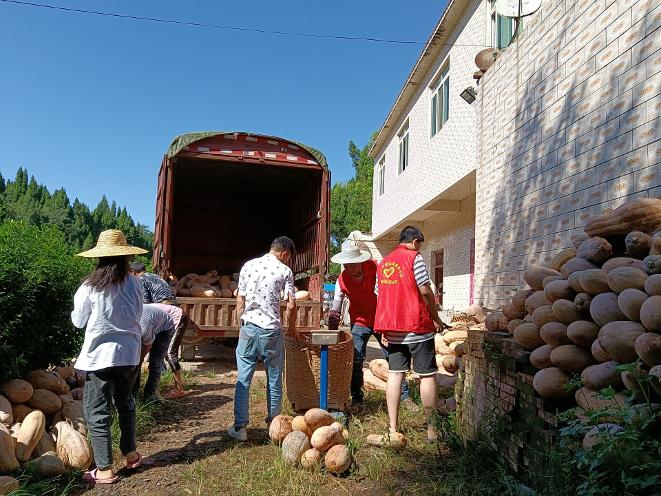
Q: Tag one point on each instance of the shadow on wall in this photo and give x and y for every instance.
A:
(557, 134)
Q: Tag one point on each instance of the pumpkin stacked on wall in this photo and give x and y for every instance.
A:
(594, 306)
(312, 439)
(41, 419)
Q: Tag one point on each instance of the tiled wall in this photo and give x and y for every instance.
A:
(570, 127)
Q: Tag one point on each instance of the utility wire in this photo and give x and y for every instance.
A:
(220, 26)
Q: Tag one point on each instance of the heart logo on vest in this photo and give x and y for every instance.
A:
(388, 272)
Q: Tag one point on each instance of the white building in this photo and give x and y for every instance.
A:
(566, 125)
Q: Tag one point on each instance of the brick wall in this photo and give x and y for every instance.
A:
(570, 127)
(496, 386)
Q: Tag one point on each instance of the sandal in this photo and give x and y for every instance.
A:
(135, 464)
(91, 477)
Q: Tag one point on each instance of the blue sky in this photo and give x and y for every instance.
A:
(91, 103)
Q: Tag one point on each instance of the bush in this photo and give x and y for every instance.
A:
(38, 277)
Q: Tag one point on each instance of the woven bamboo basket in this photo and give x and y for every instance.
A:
(302, 364)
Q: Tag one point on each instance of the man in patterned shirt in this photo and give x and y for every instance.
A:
(157, 330)
(262, 281)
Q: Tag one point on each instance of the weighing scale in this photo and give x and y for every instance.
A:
(324, 338)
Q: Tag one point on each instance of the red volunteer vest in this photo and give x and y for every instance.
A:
(362, 300)
(400, 306)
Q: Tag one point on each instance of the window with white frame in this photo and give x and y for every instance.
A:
(381, 176)
(440, 100)
(403, 147)
(502, 28)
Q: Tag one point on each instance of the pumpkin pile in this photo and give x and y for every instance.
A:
(312, 439)
(41, 419)
(212, 285)
(594, 306)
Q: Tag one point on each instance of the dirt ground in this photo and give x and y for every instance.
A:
(195, 429)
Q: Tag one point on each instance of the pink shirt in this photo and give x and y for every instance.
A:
(174, 312)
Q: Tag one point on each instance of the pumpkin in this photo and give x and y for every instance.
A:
(326, 437)
(640, 214)
(77, 394)
(617, 339)
(450, 363)
(520, 297)
(574, 281)
(650, 314)
(652, 285)
(550, 383)
(631, 383)
(495, 321)
(566, 311)
(528, 336)
(536, 300)
(594, 281)
(571, 358)
(596, 250)
(534, 276)
(599, 353)
(559, 259)
(294, 445)
(598, 433)
(600, 376)
(279, 428)
(72, 447)
(544, 315)
(19, 412)
(440, 346)
(452, 336)
(575, 265)
(549, 279)
(14, 429)
(623, 278)
(6, 416)
(46, 401)
(301, 295)
(643, 413)
(457, 348)
(511, 312)
(656, 244)
(311, 458)
(638, 244)
(540, 358)
(583, 333)
(582, 302)
(17, 390)
(66, 398)
(49, 465)
(513, 324)
(604, 309)
(42, 379)
(648, 348)
(592, 400)
(316, 417)
(554, 334)
(8, 461)
(298, 424)
(44, 445)
(74, 414)
(379, 367)
(8, 484)
(338, 459)
(655, 378)
(32, 428)
(630, 300)
(224, 281)
(652, 264)
(476, 312)
(616, 262)
(577, 238)
(65, 372)
(391, 440)
(560, 289)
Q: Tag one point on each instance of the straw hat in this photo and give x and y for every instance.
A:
(112, 243)
(351, 251)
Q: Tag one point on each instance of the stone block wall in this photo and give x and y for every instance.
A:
(570, 127)
(495, 388)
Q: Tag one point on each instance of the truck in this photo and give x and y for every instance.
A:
(222, 198)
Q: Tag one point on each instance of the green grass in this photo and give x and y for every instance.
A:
(33, 485)
(447, 468)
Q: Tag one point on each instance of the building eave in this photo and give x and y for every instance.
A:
(432, 48)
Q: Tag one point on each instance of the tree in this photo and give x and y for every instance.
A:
(351, 201)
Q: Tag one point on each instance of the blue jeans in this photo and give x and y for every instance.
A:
(156, 355)
(361, 335)
(256, 343)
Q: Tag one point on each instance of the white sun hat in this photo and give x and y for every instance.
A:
(351, 250)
